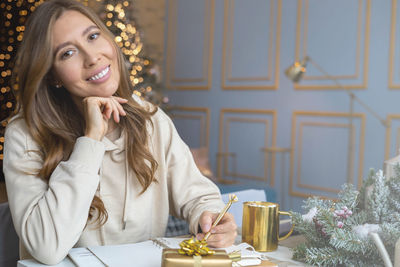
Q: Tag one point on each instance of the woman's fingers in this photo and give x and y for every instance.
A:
(112, 106)
(98, 112)
(118, 110)
(227, 224)
(223, 234)
(119, 102)
(107, 108)
(120, 99)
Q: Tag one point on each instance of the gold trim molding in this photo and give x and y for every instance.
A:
(226, 168)
(299, 157)
(388, 138)
(392, 48)
(227, 51)
(296, 114)
(300, 54)
(172, 82)
(204, 120)
(224, 137)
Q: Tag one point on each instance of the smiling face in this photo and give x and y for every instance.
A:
(85, 61)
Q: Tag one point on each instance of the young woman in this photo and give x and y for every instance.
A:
(85, 163)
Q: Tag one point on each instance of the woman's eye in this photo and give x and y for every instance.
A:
(94, 36)
(66, 54)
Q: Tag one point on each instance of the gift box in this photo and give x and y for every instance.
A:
(172, 258)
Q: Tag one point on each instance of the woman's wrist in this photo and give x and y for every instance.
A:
(94, 135)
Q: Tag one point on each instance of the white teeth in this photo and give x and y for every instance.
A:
(99, 75)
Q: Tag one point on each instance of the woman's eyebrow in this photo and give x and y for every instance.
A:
(88, 29)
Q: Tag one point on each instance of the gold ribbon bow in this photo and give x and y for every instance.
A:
(196, 247)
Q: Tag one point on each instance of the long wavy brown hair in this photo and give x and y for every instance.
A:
(52, 117)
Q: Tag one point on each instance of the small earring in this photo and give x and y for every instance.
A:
(58, 85)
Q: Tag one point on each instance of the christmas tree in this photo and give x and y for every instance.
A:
(13, 15)
(337, 232)
(145, 75)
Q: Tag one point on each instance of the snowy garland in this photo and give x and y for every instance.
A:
(337, 232)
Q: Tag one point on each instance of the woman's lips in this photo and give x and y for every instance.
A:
(101, 76)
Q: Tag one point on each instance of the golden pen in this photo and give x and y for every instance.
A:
(232, 198)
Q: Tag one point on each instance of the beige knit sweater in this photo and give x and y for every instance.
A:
(50, 218)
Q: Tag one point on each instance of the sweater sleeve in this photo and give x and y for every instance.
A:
(191, 193)
(49, 217)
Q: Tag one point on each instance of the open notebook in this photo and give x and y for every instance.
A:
(147, 253)
(143, 254)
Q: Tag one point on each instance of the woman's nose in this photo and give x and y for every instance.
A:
(91, 57)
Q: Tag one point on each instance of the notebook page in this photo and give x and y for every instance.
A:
(143, 254)
(146, 254)
(82, 257)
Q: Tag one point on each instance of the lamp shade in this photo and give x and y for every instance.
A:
(296, 71)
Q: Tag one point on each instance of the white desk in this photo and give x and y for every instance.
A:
(282, 257)
(32, 263)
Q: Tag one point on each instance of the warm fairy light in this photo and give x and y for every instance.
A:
(125, 36)
(118, 39)
(13, 14)
(110, 7)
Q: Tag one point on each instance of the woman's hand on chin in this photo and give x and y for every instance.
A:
(98, 111)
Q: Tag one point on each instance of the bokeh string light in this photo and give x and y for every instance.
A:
(126, 36)
(13, 15)
(144, 74)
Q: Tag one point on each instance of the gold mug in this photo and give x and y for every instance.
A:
(260, 226)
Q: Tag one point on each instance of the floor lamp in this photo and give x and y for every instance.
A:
(295, 73)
